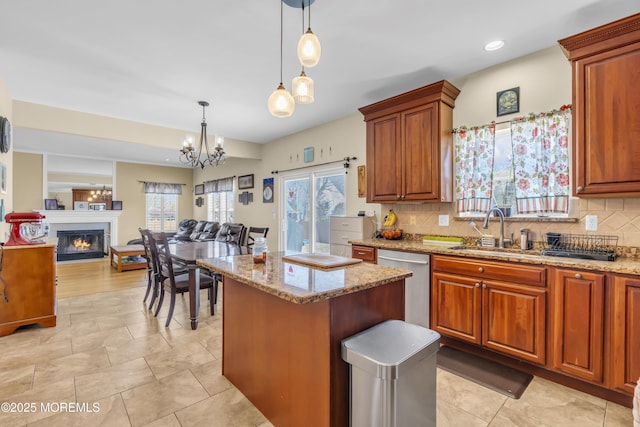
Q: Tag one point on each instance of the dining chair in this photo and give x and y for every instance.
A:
(178, 283)
(150, 272)
(254, 232)
(235, 234)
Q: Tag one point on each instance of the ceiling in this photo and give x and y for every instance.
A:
(150, 61)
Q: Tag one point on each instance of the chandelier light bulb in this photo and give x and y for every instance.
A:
(218, 141)
(302, 87)
(281, 103)
(309, 49)
(188, 141)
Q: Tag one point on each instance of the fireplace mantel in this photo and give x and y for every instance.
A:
(86, 217)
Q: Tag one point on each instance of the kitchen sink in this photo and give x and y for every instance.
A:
(484, 251)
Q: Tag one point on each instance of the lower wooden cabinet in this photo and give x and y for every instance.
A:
(365, 253)
(484, 309)
(625, 333)
(577, 316)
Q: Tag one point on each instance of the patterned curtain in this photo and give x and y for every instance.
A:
(162, 188)
(541, 161)
(474, 150)
(219, 185)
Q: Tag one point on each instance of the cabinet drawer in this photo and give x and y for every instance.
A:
(364, 253)
(346, 223)
(342, 237)
(515, 273)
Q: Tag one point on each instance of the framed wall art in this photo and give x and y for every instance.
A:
(116, 205)
(51, 204)
(3, 178)
(267, 190)
(245, 181)
(80, 206)
(508, 101)
(199, 189)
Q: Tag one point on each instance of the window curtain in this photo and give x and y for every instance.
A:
(219, 185)
(541, 161)
(162, 188)
(474, 151)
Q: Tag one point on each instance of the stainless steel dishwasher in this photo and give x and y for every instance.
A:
(417, 287)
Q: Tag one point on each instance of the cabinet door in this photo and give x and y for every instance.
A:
(607, 119)
(514, 320)
(365, 253)
(420, 153)
(384, 159)
(625, 363)
(577, 323)
(456, 306)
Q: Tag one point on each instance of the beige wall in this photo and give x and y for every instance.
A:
(28, 177)
(6, 158)
(129, 190)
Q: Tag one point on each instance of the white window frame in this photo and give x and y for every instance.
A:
(214, 199)
(161, 203)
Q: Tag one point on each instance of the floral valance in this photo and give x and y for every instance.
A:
(162, 188)
(219, 185)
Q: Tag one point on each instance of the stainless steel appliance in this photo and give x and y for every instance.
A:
(417, 287)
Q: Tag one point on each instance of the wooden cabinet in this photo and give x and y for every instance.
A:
(28, 274)
(344, 229)
(606, 108)
(85, 195)
(409, 146)
(365, 253)
(577, 314)
(497, 305)
(625, 334)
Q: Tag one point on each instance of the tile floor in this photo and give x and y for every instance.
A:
(111, 355)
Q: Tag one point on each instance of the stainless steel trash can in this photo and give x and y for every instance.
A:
(392, 375)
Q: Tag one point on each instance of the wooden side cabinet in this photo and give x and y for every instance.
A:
(577, 314)
(28, 274)
(410, 146)
(365, 253)
(625, 336)
(492, 304)
(606, 108)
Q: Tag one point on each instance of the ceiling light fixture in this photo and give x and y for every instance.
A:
(309, 49)
(193, 157)
(302, 86)
(494, 45)
(281, 104)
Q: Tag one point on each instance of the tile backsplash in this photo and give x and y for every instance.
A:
(616, 217)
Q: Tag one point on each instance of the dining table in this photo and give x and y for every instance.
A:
(188, 253)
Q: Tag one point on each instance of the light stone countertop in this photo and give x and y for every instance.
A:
(621, 265)
(302, 284)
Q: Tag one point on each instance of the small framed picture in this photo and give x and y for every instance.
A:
(51, 204)
(116, 205)
(308, 154)
(245, 181)
(80, 206)
(3, 178)
(508, 101)
(199, 189)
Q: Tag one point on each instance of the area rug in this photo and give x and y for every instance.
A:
(502, 379)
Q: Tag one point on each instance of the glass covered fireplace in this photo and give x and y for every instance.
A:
(80, 244)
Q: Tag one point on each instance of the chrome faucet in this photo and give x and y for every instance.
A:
(485, 225)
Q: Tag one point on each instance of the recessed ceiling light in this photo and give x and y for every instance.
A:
(494, 45)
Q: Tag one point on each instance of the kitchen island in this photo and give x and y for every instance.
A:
(283, 324)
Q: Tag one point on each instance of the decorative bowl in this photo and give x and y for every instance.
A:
(392, 234)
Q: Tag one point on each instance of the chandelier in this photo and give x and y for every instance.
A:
(194, 157)
(103, 194)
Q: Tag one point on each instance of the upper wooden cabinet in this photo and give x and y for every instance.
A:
(410, 146)
(606, 108)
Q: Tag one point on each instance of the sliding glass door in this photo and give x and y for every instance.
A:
(309, 199)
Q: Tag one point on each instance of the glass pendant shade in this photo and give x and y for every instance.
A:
(281, 103)
(309, 49)
(302, 87)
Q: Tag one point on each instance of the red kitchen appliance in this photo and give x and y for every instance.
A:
(26, 228)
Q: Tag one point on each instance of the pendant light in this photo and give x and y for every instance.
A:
(302, 86)
(309, 49)
(281, 103)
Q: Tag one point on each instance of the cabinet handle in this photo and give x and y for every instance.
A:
(484, 286)
(360, 253)
(398, 197)
(578, 276)
(477, 285)
(481, 270)
(580, 188)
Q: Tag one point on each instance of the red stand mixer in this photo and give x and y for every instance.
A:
(24, 226)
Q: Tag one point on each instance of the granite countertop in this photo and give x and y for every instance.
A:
(620, 265)
(47, 241)
(302, 284)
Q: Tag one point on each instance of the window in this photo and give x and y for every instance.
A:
(521, 167)
(220, 206)
(162, 212)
